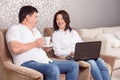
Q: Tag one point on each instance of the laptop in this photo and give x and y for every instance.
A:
(86, 50)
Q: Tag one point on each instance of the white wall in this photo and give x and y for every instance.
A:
(83, 13)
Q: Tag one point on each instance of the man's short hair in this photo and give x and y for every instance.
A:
(26, 10)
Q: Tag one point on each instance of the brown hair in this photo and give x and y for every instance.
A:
(65, 17)
(26, 10)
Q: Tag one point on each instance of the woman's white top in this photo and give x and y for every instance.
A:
(64, 41)
(22, 34)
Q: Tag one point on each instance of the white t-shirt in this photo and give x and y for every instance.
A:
(22, 34)
(64, 42)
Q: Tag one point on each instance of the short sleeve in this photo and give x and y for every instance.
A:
(13, 34)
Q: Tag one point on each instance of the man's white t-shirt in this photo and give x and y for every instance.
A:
(22, 34)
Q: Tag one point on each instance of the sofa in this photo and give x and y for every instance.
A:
(84, 74)
(10, 71)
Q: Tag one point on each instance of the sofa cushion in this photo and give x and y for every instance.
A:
(111, 29)
(117, 34)
(110, 37)
(90, 33)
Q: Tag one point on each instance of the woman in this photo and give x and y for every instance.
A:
(64, 39)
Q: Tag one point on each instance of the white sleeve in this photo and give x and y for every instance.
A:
(77, 37)
(13, 35)
(57, 46)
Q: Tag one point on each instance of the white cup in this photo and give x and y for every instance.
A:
(47, 40)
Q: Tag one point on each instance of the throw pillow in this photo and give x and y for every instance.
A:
(117, 34)
(110, 37)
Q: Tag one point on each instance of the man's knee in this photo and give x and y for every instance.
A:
(53, 70)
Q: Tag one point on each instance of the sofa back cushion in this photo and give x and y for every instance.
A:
(111, 29)
(4, 52)
(90, 33)
(117, 34)
(115, 43)
(48, 31)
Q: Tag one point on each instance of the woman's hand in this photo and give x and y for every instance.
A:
(72, 53)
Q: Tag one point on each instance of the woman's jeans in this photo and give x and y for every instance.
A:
(99, 69)
(53, 70)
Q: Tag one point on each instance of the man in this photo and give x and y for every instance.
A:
(26, 46)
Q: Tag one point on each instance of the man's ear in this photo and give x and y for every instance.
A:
(27, 17)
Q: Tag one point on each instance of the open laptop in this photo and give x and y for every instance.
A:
(87, 50)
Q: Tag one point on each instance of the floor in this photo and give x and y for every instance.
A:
(116, 71)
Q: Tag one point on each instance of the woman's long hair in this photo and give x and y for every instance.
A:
(66, 19)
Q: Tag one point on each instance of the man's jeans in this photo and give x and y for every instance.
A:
(99, 69)
(52, 70)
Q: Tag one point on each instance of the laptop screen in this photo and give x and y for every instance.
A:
(87, 50)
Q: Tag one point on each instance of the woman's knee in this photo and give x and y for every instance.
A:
(74, 64)
(93, 64)
(100, 61)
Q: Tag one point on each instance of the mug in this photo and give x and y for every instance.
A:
(47, 40)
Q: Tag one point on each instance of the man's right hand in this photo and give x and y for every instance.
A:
(39, 42)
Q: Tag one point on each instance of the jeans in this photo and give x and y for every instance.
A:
(52, 70)
(99, 69)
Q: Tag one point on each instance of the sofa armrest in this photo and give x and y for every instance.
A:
(23, 70)
(83, 64)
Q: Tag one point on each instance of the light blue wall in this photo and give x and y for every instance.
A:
(83, 13)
